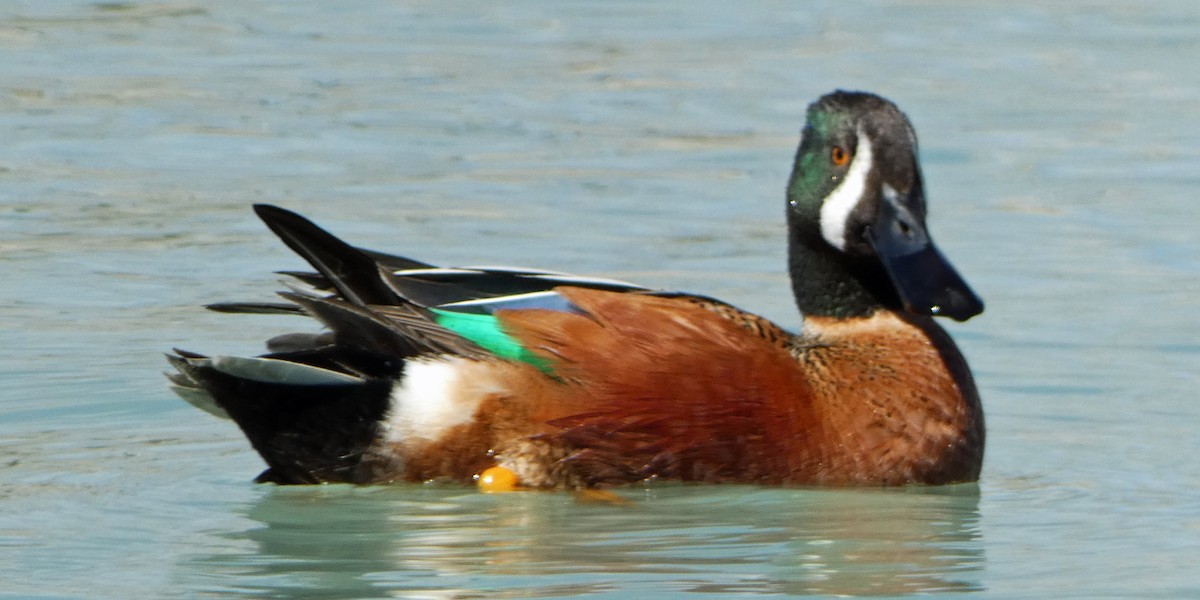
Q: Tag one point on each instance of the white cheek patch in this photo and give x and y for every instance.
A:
(845, 197)
(430, 399)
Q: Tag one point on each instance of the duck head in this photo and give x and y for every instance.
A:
(856, 216)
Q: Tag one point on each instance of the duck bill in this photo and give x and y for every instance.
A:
(925, 281)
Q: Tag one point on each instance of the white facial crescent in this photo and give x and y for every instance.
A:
(842, 200)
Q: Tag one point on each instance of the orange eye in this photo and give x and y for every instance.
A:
(839, 156)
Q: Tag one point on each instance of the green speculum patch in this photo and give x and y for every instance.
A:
(487, 332)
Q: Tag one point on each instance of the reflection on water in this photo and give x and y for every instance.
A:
(454, 543)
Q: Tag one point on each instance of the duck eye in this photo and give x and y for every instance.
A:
(839, 156)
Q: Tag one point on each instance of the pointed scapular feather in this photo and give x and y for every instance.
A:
(352, 271)
(358, 325)
(299, 342)
(255, 308)
(315, 281)
(398, 330)
(434, 286)
(419, 324)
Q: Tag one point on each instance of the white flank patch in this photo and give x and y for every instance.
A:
(433, 396)
(842, 200)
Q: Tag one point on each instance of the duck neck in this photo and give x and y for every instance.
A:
(832, 284)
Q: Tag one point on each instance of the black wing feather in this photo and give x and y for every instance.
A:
(351, 271)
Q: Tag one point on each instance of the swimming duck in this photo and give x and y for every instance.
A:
(540, 379)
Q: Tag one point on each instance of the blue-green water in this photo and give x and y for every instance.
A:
(646, 141)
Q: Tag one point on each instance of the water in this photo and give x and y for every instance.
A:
(646, 141)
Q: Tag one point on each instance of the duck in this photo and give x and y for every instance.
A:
(537, 379)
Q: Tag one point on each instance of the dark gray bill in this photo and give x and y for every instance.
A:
(925, 281)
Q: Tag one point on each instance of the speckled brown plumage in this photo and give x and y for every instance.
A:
(650, 387)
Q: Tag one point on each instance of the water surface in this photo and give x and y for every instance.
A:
(646, 141)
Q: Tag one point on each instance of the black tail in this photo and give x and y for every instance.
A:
(309, 424)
